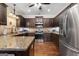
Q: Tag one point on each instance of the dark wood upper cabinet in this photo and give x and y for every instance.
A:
(48, 22)
(3, 14)
(22, 21)
(30, 22)
(55, 22)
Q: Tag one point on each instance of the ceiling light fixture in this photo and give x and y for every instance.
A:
(14, 8)
(35, 4)
(29, 10)
(15, 11)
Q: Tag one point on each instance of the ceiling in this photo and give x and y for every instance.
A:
(52, 9)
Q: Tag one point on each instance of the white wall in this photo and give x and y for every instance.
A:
(11, 21)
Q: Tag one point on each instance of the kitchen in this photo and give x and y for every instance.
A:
(28, 29)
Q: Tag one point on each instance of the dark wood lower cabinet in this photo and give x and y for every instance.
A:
(47, 37)
(51, 37)
(55, 38)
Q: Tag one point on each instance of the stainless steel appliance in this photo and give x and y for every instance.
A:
(39, 27)
(69, 32)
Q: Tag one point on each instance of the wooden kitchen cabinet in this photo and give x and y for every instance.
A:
(3, 14)
(55, 22)
(48, 22)
(21, 22)
(47, 37)
(30, 22)
(55, 38)
(51, 37)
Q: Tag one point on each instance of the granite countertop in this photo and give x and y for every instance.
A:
(12, 43)
(48, 30)
(33, 30)
(45, 30)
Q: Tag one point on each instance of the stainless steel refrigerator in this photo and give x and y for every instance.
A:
(69, 31)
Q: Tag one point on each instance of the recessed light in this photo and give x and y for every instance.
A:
(48, 10)
(35, 5)
(29, 10)
(10, 14)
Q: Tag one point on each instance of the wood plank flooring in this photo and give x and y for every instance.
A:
(46, 49)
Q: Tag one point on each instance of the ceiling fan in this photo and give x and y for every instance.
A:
(39, 4)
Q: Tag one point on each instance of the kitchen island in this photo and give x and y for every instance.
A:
(17, 45)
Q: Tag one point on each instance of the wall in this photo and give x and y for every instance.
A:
(11, 21)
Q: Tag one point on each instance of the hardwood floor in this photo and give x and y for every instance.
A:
(46, 49)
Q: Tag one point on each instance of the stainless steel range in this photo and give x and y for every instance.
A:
(39, 27)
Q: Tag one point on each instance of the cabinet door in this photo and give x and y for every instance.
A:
(47, 37)
(55, 38)
(55, 22)
(21, 22)
(46, 22)
(3, 14)
(30, 22)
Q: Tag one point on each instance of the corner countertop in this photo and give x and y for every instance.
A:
(33, 30)
(11, 43)
(45, 30)
(48, 30)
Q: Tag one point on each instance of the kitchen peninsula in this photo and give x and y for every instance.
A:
(16, 45)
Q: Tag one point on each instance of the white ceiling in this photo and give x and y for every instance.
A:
(52, 9)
